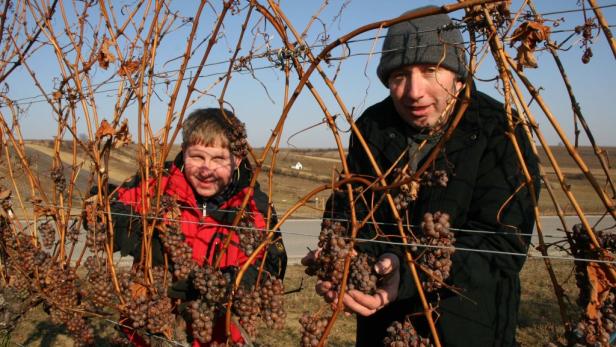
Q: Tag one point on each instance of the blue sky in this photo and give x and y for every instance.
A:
(260, 107)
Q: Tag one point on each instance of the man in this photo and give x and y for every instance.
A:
(424, 66)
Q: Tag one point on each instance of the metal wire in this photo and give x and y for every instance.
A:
(270, 54)
(393, 243)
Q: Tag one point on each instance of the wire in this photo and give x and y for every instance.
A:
(134, 215)
(577, 10)
(393, 243)
(270, 54)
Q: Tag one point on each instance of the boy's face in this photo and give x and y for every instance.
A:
(421, 94)
(208, 169)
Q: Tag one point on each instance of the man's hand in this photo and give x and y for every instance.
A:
(355, 301)
(388, 267)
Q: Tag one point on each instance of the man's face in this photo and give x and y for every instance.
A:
(208, 169)
(421, 93)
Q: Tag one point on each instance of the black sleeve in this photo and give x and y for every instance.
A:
(127, 230)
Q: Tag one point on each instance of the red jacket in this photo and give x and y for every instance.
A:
(203, 232)
(205, 229)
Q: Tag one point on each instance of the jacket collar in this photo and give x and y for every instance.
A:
(466, 134)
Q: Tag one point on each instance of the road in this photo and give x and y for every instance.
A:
(301, 234)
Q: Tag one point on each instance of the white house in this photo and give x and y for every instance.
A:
(297, 166)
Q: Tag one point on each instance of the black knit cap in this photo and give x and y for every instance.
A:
(425, 40)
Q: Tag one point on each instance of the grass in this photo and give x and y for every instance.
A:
(539, 321)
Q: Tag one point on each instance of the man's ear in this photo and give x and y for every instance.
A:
(236, 160)
(458, 86)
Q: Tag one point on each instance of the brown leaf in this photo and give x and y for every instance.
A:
(129, 67)
(529, 34)
(414, 190)
(56, 95)
(104, 130)
(525, 57)
(122, 136)
(138, 290)
(5, 194)
(599, 288)
(105, 57)
(39, 209)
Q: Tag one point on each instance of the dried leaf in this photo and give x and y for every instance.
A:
(526, 57)
(600, 286)
(104, 130)
(129, 67)
(39, 209)
(5, 194)
(105, 57)
(414, 190)
(529, 34)
(498, 10)
(138, 290)
(56, 95)
(122, 136)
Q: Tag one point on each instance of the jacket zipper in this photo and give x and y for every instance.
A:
(204, 210)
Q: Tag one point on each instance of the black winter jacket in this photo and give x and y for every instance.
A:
(485, 192)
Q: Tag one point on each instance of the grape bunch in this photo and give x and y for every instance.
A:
(59, 283)
(137, 312)
(435, 178)
(48, 233)
(409, 191)
(312, 327)
(436, 259)
(246, 305)
(96, 237)
(581, 247)
(202, 324)
(179, 251)
(598, 331)
(23, 257)
(98, 291)
(147, 306)
(160, 314)
(407, 194)
(592, 331)
(272, 303)
(362, 275)
(329, 266)
(249, 236)
(236, 133)
(57, 176)
(169, 209)
(211, 284)
(404, 335)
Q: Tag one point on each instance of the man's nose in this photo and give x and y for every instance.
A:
(416, 86)
(207, 165)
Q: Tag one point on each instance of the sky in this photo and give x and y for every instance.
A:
(257, 96)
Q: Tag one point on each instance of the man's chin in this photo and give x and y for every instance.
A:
(421, 124)
(206, 192)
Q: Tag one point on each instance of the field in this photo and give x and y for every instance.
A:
(319, 166)
(539, 317)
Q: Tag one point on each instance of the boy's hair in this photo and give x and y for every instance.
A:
(215, 126)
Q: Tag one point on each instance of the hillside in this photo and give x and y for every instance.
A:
(290, 185)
